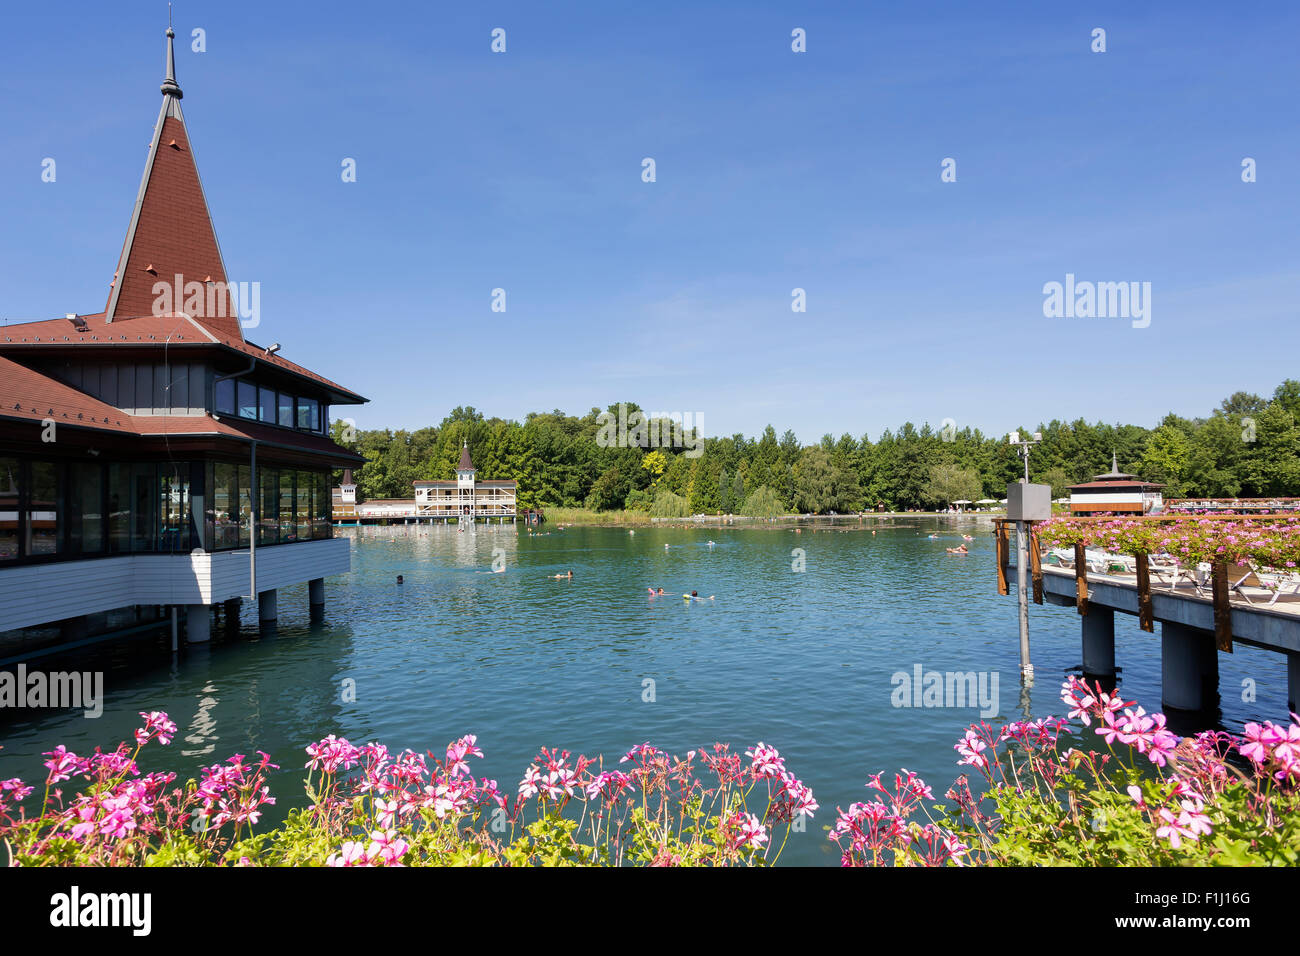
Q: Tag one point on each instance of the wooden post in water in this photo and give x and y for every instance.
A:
(1222, 606)
(1146, 619)
(1002, 556)
(1036, 565)
(1081, 577)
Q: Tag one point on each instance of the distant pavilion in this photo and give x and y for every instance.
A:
(466, 498)
(1116, 492)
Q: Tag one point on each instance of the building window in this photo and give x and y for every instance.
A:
(247, 400)
(285, 412)
(302, 506)
(245, 504)
(225, 397)
(268, 519)
(308, 414)
(44, 509)
(286, 506)
(225, 506)
(323, 527)
(10, 485)
(86, 508)
(174, 508)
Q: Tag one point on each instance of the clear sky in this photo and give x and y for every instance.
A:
(775, 170)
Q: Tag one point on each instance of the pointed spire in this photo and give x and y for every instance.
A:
(169, 85)
(1114, 463)
(465, 463)
(171, 238)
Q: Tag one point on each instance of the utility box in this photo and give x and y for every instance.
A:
(1029, 502)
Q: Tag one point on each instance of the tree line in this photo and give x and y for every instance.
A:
(1249, 446)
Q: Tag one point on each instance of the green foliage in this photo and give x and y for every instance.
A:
(949, 483)
(762, 503)
(668, 505)
(1248, 446)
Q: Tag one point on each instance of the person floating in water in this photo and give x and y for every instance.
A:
(960, 549)
(653, 592)
(562, 576)
(399, 579)
(695, 596)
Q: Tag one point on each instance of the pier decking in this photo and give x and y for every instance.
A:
(1197, 622)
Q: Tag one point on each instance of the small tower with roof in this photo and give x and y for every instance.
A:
(465, 482)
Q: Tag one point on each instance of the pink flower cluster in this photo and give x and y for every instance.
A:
(235, 791)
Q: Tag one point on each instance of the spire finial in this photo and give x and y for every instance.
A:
(169, 86)
(1114, 464)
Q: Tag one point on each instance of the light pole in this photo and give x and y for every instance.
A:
(1022, 559)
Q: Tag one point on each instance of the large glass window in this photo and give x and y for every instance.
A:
(245, 504)
(85, 508)
(143, 500)
(322, 528)
(44, 509)
(247, 399)
(285, 411)
(307, 411)
(225, 505)
(266, 404)
(225, 396)
(10, 483)
(303, 505)
(119, 508)
(268, 522)
(173, 507)
(287, 526)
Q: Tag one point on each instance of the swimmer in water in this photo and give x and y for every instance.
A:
(962, 549)
(559, 577)
(695, 596)
(399, 579)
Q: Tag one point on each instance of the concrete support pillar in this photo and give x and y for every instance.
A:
(1099, 642)
(198, 623)
(1293, 681)
(316, 598)
(268, 607)
(230, 613)
(1189, 668)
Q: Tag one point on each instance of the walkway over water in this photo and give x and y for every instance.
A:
(1198, 619)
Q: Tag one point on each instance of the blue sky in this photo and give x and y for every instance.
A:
(775, 170)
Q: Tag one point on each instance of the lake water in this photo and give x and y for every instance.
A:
(801, 661)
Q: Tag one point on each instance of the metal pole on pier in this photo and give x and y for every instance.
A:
(1022, 596)
(1026, 502)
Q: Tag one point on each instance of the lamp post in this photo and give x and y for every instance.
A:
(1022, 559)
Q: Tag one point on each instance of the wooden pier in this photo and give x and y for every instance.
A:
(1198, 619)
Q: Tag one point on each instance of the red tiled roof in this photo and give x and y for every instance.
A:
(173, 237)
(1116, 485)
(452, 483)
(27, 394)
(144, 331)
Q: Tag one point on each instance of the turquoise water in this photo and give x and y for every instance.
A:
(801, 661)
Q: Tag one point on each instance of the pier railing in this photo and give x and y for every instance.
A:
(1204, 548)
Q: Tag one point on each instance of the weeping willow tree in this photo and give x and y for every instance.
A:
(669, 505)
(762, 503)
